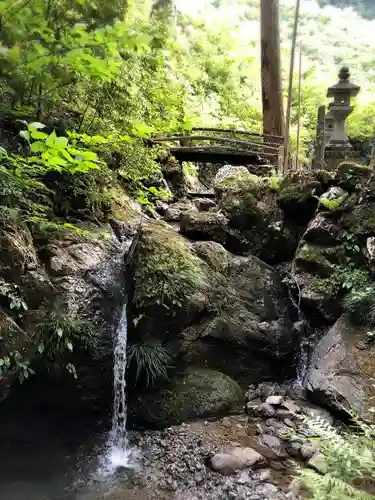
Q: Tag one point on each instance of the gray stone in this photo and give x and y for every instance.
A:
(274, 400)
(234, 461)
(339, 372)
(173, 212)
(318, 462)
(322, 231)
(291, 406)
(308, 449)
(260, 410)
(274, 444)
(204, 204)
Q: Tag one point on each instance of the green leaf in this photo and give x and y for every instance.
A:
(38, 135)
(50, 141)
(59, 332)
(25, 134)
(38, 147)
(41, 347)
(36, 126)
(2, 362)
(61, 142)
(69, 345)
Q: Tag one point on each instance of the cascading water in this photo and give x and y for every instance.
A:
(119, 454)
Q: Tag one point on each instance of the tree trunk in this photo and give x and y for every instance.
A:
(273, 116)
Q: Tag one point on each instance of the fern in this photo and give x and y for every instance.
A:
(349, 462)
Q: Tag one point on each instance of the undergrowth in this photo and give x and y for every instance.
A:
(347, 467)
(150, 360)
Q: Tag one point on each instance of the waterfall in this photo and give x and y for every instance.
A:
(118, 451)
(118, 434)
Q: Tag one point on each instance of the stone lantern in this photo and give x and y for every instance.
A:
(329, 124)
(340, 109)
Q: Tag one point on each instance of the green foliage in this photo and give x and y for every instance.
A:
(332, 204)
(167, 272)
(360, 305)
(10, 292)
(349, 463)
(344, 279)
(59, 333)
(364, 7)
(150, 360)
(274, 180)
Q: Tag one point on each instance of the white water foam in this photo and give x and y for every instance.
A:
(119, 455)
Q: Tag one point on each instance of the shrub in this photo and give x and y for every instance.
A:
(150, 361)
(348, 467)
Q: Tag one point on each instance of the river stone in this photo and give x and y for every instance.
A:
(274, 444)
(339, 372)
(234, 461)
(274, 400)
(197, 393)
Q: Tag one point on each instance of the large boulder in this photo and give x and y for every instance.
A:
(196, 393)
(341, 370)
(207, 302)
(62, 283)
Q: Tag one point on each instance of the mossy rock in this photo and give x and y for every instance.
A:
(214, 254)
(204, 226)
(361, 220)
(197, 393)
(311, 259)
(166, 271)
(349, 174)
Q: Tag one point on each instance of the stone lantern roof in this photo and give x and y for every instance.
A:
(343, 86)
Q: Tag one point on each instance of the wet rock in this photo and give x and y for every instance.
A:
(230, 172)
(234, 461)
(291, 406)
(294, 448)
(214, 254)
(338, 373)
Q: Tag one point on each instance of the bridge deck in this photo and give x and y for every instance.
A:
(224, 146)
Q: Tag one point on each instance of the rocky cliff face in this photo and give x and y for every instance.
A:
(206, 290)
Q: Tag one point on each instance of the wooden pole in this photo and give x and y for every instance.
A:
(290, 87)
(299, 106)
(272, 97)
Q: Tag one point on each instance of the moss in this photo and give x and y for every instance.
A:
(197, 393)
(214, 254)
(312, 259)
(166, 270)
(362, 219)
(298, 193)
(354, 169)
(324, 176)
(349, 174)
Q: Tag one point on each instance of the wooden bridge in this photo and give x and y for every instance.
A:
(225, 146)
